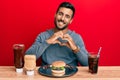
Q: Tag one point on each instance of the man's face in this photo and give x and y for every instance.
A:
(63, 18)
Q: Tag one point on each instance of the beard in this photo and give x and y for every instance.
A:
(64, 27)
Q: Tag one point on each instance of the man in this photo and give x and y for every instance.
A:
(60, 43)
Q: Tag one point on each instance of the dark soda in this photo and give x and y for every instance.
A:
(93, 63)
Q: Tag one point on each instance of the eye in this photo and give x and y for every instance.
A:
(67, 16)
(60, 13)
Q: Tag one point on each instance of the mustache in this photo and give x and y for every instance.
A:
(61, 21)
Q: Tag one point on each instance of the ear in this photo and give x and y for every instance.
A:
(71, 21)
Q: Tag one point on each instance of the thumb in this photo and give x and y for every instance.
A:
(57, 41)
(65, 44)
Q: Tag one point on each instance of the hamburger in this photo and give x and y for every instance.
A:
(58, 68)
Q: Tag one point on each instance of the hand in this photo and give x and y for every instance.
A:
(54, 38)
(71, 44)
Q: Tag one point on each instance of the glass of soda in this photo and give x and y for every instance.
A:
(93, 63)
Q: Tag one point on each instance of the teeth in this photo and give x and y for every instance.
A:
(60, 23)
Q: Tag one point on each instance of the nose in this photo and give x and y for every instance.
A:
(62, 18)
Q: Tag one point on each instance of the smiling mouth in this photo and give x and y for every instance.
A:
(60, 23)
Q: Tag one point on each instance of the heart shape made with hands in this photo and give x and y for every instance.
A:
(62, 40)
(66, 40)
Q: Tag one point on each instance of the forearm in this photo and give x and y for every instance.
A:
(82, 56)
(37, 48)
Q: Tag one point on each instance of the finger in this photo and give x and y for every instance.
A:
(60, 32)
(70, 42)
(61, 36)
(67, 36)
(57, 41)
(67, 39)
(65, 44)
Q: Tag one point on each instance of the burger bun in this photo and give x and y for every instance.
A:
(58, 68)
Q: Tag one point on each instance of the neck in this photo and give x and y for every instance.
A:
(64, 31)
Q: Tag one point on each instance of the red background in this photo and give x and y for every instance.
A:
(97, 21)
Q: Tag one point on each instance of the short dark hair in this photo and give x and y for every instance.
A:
(67, 5)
